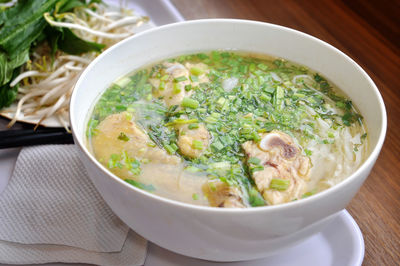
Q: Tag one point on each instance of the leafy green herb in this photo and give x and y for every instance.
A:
(7, 93)
(67, 5)
(23, 26)
(350, 118)
(70, 43)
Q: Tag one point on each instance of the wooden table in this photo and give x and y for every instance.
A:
(370, 34)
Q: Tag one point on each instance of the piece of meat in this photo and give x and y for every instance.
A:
(281, 159)
(220, 194)
(107, 142)
(175, 70)
(186, 138)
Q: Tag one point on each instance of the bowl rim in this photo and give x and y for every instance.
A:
(268, 208)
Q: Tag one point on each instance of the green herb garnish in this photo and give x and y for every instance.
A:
(279, 184)
(122, 136)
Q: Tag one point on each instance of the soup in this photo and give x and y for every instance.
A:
(227, 129)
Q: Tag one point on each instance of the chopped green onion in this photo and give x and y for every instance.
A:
(341, 104)
(308, 152)
(280, 92)
(193, 126)
(265, 97)
(255, 199)
(174, 146)
(180, 121)
(193, 169)
(122, 136)
(217, 145)
(151, 144)
(197, 144)
(140, 185)
(129, 115)
(221, 101)
(262, 67)
(120, 108)
(194, 78)
(287, 84)
(114, 161)
(165, 77)
(169, 149)
(216, 115)
(188, 87)
(179, 79)
(210, 120)
(176, 89)
(256, 168)
(279, 184)
(299, 95)
(363, 136)
(220, 165)
(196, 71)
(254, 160)
(191, 103)
(195, 196)
(309, 193)
(161, 87)
(202, 56)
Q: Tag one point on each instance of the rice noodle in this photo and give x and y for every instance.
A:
(337, 160)
(45, 91)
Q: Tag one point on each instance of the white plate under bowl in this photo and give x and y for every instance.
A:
(339, 244)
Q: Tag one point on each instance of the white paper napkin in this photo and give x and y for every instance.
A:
(51, 212)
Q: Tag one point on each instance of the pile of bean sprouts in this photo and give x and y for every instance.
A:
(46, 84)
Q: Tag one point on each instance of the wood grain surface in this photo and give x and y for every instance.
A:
(369, 32)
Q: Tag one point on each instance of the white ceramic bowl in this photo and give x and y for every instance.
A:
(215, 233)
